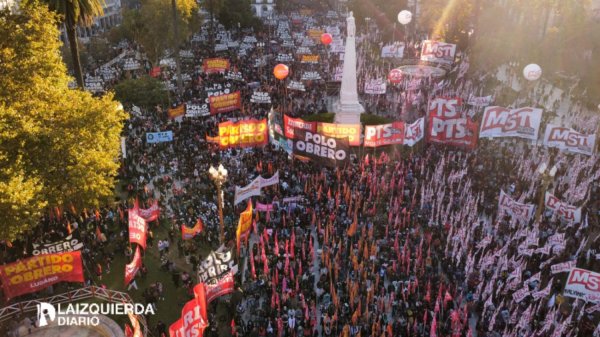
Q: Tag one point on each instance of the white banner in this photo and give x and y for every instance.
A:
(439, 52)
(393, 50)
(480, 101)
(414, 132)
(563, 210)
(562, 267)
(253, 189)
(310, 76)
(501, 122)
(583, 284)
(523, 212)
(285, 57)
(376, 86)
(569, 140)
(295, 85)
(260, 97)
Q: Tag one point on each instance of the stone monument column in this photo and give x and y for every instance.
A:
(348, 109)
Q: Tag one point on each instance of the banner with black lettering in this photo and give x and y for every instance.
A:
(569, 140)
(328, 151)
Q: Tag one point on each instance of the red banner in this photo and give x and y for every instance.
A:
(215, 65)
(446, 126)
(384, 134)
(222, 287)
(290, 124)
(132, 268)
(194, 322)
(246, 133)
(352, 131)
(137, 228)
(38, 272)
(155, 72)
(188, 233)
(150, 214)
(225, 103)
(176, 329)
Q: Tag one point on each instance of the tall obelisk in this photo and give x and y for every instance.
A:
(348, 109)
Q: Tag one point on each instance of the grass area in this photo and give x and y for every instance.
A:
(168, 310)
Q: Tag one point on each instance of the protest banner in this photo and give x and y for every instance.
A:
(260, 97)
(245, 133)
(290, 124)
(219, 287)
(197, 110)
(583, 284)
(137, 228)
(521, 211)
(312, 59)
(376, 86)
(68, 244)
(438, 52)
(384, 134)
(569, 140)
(352, 131)
(159, 137)
(321, 149)
(414, 132)
(480, 101)
(216, 265)
(254, 188)
(132, 268)
(501, 122)
(565, 211)
(39, 272)
(225, 103)
(244, 225)
(395, 50)
(188, 233)
(176, 112)
(215, 65)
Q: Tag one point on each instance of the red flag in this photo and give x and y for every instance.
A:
(252, 270)
(188, 233)
(132, 267)
(128, 331)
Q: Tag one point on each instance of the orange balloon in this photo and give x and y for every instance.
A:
(326, 38)
(281, 71)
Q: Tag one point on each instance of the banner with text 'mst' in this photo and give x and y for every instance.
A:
(215, 65)
(439, 52)
(384, 134)
(446, 126)
(565, 211)
(501, 122)
(225, 103)
(246, 133)
(583, 284)
(352, 131)
(38, 272)
(569, 140)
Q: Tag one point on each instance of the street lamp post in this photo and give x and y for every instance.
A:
(547, 177)
(219, 176)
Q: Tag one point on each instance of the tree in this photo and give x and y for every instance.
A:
(242, 14)
(145, 92)
(152, 25)
(73, 13)
(57, 146)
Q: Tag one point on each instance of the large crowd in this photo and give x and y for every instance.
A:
(399, 242)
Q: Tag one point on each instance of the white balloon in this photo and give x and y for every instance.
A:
(532, 72)
(404, 17)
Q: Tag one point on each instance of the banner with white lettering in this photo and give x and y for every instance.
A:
(321, 149)
(260, 97)
(216, 265)
(295, 85)
(393, 50)
(583, 284)
(569, 140)
(565, 211)
(376, 86)
(68, 244)
(446, 126)
(502, 122)
(196, 110)
(159, 137)
(384, 134)
(310, 76)
(523, 212)
(414, 132)
(439, 52)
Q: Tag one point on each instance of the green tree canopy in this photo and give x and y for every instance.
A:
(146, 92)
(57, 146)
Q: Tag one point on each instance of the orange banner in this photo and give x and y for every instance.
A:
(352, 131)
(246, 133)
(38, 272)
(225, 103)
(215, 65)
(244, 224)
(309, 59)
(188, 233)
(176, 112)
(315, 34)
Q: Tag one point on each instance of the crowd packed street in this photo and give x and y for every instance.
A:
(437, 238)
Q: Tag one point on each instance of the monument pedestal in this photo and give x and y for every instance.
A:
(347, 113)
